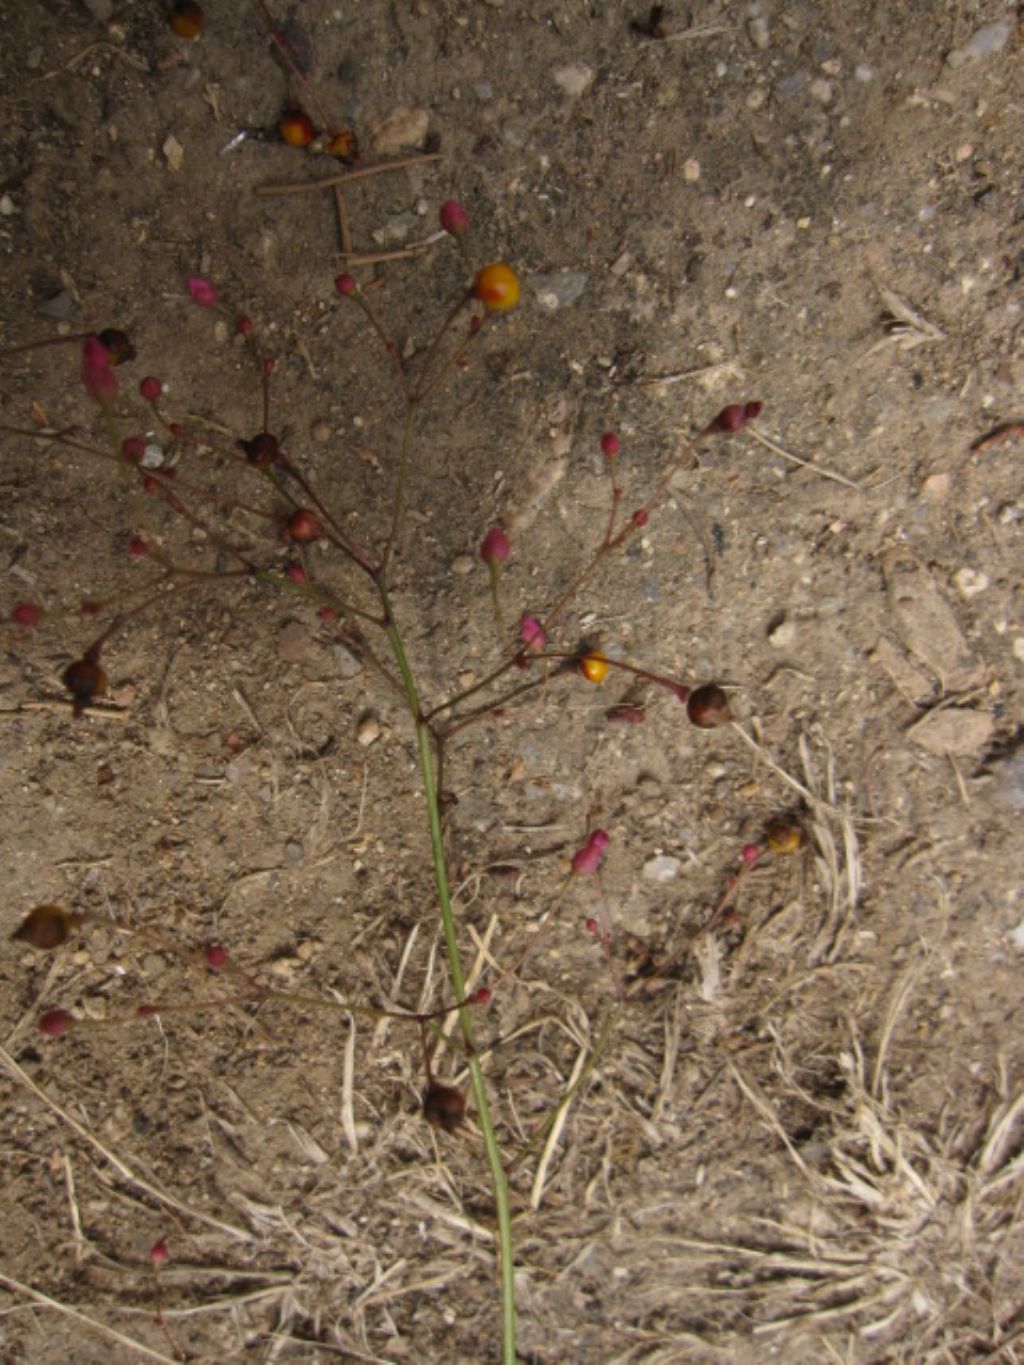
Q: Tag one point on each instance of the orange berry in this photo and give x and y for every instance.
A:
(187, 19)
(344, 146)
(296, 128)
(784, 837)
(497, 287)
(594, 666)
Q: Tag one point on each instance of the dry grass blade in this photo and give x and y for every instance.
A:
(554, 1136)
(140, 1182)
(140, 1351)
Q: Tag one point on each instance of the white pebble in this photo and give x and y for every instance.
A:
(573, 79)
(970, 582)
(368, 730)
(663, 868)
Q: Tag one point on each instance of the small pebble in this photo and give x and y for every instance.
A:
(174, 153)
(757, 28)
(462, 565)
(821, 90)
(321, 433)
(403, 128)
(346, 662)
(970, 582)
(573, 79)
(985, 42)
(368, 730)
(691, 169)
(662, 868)
(559, 291)
(59, 307)
(292, 853)
(6, 205)
(784, 634)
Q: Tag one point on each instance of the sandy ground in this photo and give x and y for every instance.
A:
(800, 1139)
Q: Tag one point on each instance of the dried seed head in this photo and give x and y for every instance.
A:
(46, 927)
(85, 680)
(784, 836)
(708, 706)
(262, 451)
(444, 1107)
(117, 344)
(187, 19)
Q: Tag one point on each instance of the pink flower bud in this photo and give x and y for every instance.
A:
(55, 1023)
(327, 614)
(735, 417)
(609, 445)
(147, 1011)
(150, 388)
(133, 448)
(590, 924)
(454, 218)
(97, 376)
(158, 1254)
(137, 548)
(494, 548)
(202, 291)
(216, 956)
(26, 614)
(481, 996)
(587, 860)
(345, 284)
(295, 573)
(532, 633)
(641, 517)
(243, 326)
(751, 853)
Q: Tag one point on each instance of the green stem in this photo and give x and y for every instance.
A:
(399, 503)
(424, 745)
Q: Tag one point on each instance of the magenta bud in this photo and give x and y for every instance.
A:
(133, 448)
(202, 291)
(454, 218)
(751, 853)
(609, 445)
(735, 417)
(97, 376)
(295, 573)
(26, 614)
(216, 956)
(345, 284)
(587, 860)
(495, 547)
(158, 1254)
(55, 1023)
(150, 388)
(532, 633)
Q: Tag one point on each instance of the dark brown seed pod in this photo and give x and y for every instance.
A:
(708, 706)
(784, 836)
(85, 680)
(46, 927)
(187, 19)
(117, 344)
(262, 451)
(444, 1107)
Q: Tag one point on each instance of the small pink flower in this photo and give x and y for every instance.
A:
(587, 860)
(735, 417)
(150, 388)
(244, 326)
(327, 614)
(609, 445)
(26, 614)
(495, 547)
(454, 218)
(532, 633)
(97, 376)
(202, 291)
